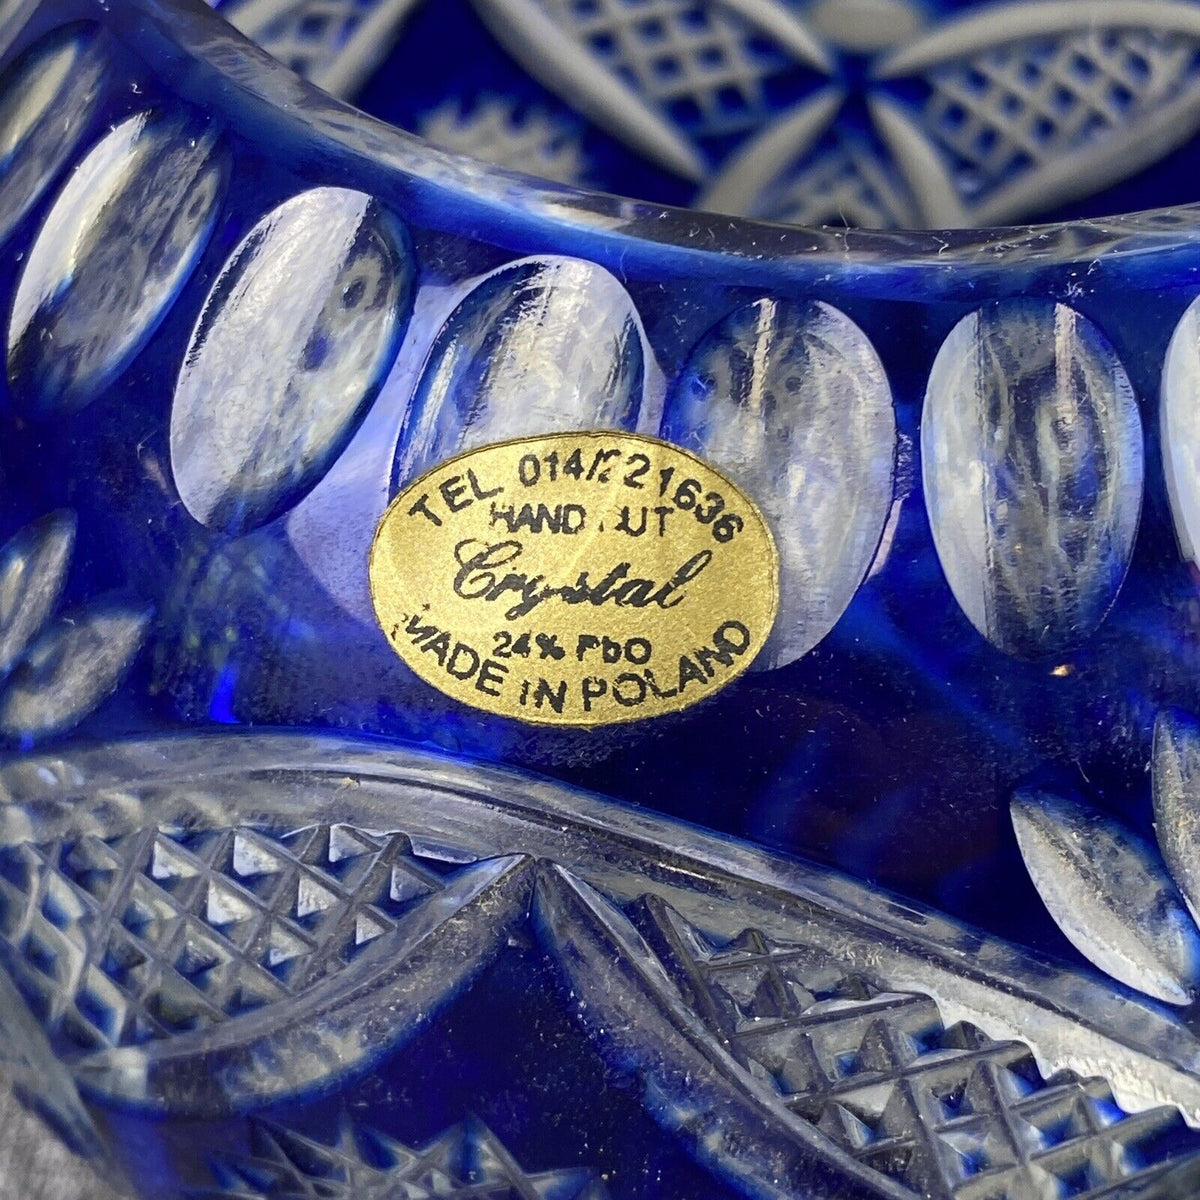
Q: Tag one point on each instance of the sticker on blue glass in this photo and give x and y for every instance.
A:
(575, 579)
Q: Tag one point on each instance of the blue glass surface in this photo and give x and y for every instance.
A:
(279, 920)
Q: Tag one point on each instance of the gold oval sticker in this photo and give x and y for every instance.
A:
(575, 579)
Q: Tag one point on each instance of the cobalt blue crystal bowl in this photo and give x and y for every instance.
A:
(908, 909)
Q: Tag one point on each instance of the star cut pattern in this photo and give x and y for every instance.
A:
(467, 1162)
(124, 940)
(949, 1112)
(722, 76)
(1016, 106)
(703, 65)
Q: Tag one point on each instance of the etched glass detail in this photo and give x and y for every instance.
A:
(1111, 895)
(118, 941)
(878, 112)
(467, 1162)
(544, 345)
(948, 1112)
(1032, 458)
(118, 244)
(46, 101)
(793, 402)
(294, 342)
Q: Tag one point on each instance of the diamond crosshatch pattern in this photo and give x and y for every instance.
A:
(309, 36)
(467, 1162)
(950, 1113)
(705, 66)
(997, 115)
(125, 940)
(1017, 106)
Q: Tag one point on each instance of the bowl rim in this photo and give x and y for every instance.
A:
(205, 59)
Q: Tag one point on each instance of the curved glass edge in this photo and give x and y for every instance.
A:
(208, 60)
